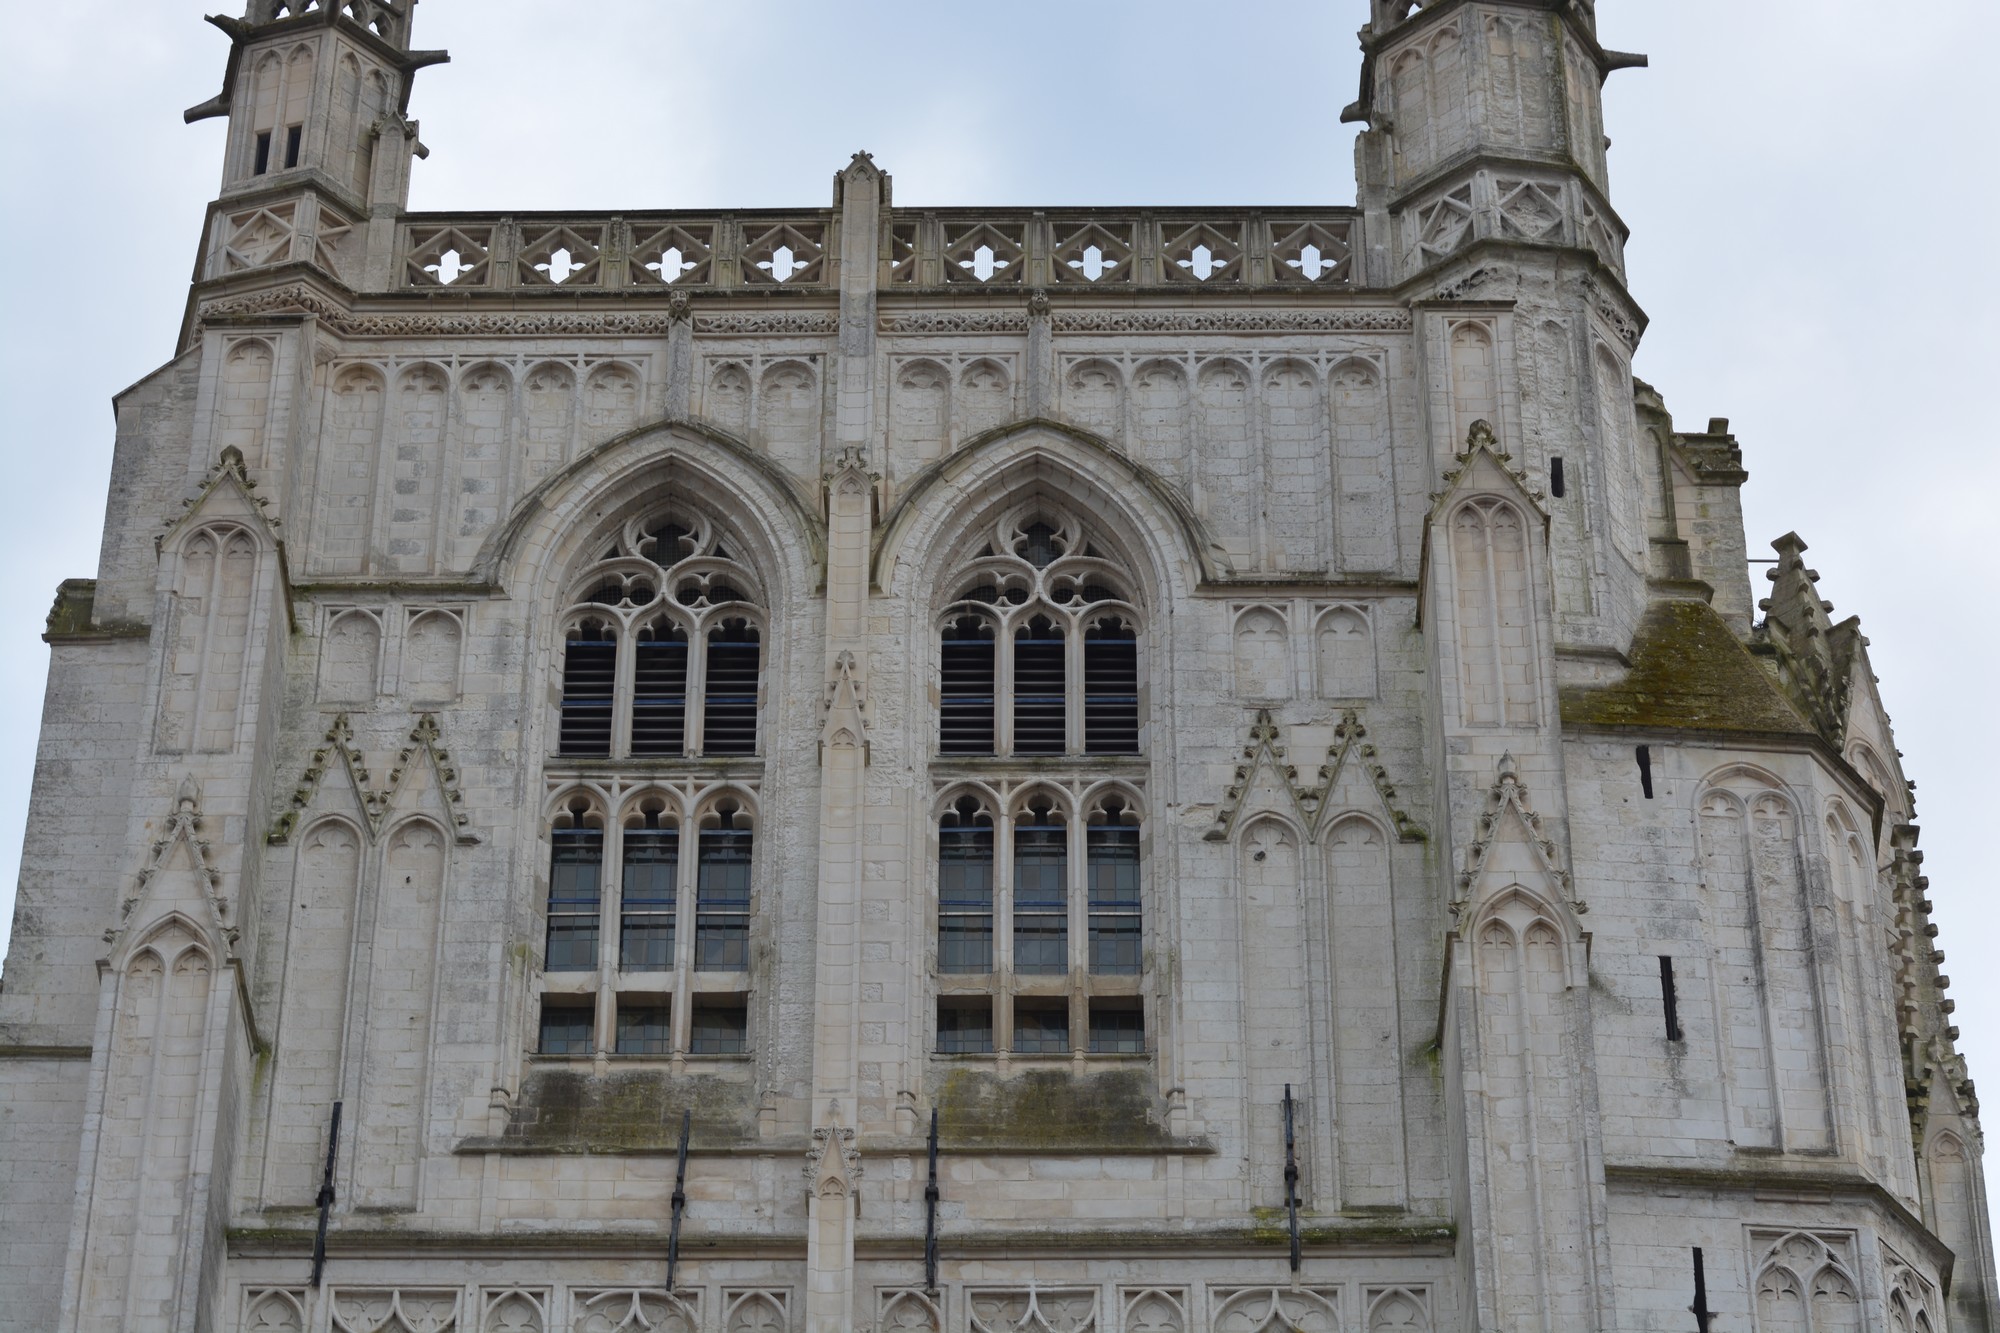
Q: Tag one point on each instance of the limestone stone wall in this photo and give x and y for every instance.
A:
(1481, 915)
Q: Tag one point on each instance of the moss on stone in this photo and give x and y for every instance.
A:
(1052, 1108)
(1689, 673)
(572, 1111)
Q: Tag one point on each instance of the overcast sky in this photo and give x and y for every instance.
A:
(1810, 186)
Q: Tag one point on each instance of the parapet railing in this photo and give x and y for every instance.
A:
(965, 249)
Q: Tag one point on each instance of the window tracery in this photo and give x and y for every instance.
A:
(663, 646)
(1039, 645)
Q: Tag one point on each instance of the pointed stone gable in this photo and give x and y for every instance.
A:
(179, 879)
(1353, 778)
(1812, 654)
(1511, 844)
(1266, 782)
(227, 492)
(422, 778)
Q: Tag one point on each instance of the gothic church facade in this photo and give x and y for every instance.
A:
(873, 767)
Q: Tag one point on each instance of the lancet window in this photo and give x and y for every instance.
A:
(1039, 645)
(1040, 922)
(663, 646)
(618, 923)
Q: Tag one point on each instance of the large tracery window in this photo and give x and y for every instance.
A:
(663, 647)
(1038, 646)
(667, 989)
(1061, 973)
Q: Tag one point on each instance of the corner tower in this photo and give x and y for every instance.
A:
(320, 142)
(1484, 120)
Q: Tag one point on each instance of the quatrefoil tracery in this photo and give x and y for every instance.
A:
(1037, 561)
(676, 567)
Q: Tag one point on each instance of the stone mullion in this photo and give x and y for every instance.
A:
(1003, 685)
(1079, 935)
(610, 910)
(620, 744)
(1073, 683)
(680, 1018)
(696, 689)
(1003, 931)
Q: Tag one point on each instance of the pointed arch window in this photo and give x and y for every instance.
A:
(1041, 889)
(965, 888)
(1039, 645)
(1112, 841)
(722, 892)
(663, 646)
(649, 889)
(576, 893)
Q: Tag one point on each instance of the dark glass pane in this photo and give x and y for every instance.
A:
(576, 864)
(648, 899)
(670, 544)
(659, 693)
(720, 1029)
(1041, 898)
(722, 902)
(1110, 690)
(1039, 684)
(643, 1029)
(1117, 1029)
(1041, 1029)
(965, 1027)
(1039, 549)
(965, 899)
(565, 1027)
(590, 670)
(1114, 900)
(965, 718)
(729, 707)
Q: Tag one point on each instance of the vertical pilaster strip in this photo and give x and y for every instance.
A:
(843, 750)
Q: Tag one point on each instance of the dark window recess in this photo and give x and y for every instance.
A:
(1041, 892)
(1040, 724)
(670, 544)
(965, 1025)
(1645, 753)
(1114, 896)
(1556, 478)
(1110, 689)
(576, 864)
(729, 707)
(720, 1028)
(1669, 1000)
(965, 713)
(643, 1029)
(292, 137)
(565, 1027)
(965, 889)
(659, 690)
(647, 896)
(263, 162)
(590, 672)
(722, 896)
(1700, 1307)
(1039, 549)
(1041, 1027)
(1117, 1027)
